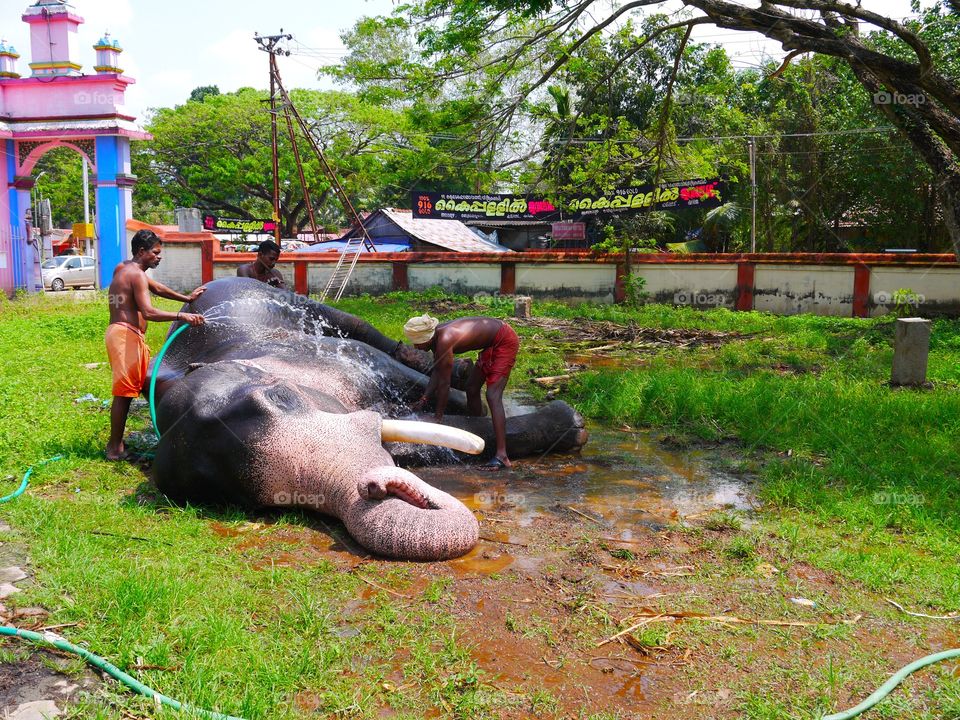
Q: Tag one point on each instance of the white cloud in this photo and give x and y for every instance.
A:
(113, 16)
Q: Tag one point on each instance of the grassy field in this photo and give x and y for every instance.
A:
(860, 501)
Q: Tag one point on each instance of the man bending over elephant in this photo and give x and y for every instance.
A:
(498, 344)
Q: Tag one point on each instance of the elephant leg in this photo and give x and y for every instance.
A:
(355, 328)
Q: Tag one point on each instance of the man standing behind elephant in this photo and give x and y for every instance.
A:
(498, 344)
(130, 309)
(264, 267)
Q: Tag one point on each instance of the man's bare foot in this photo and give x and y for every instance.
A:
(115, 454)
(497, 463)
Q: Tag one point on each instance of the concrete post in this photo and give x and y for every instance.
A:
(521, 306)
(911, 345)
(189, 220)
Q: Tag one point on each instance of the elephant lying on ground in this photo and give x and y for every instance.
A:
(282, 401)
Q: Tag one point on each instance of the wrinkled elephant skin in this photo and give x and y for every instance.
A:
(279, 401)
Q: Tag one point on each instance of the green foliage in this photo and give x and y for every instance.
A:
(62, 183)
(719, 223)
(906, 302)
(644, 232)
(591, 122)
(198, 94)
(214, 152)
(633, 288)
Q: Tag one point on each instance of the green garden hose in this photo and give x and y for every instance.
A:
(111, 670)
(26, 479)
(890, 684)
(95, 660)
(156, 370)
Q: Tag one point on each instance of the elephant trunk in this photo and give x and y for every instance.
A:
(396, 514)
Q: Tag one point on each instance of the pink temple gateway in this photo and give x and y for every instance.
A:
(55, 104)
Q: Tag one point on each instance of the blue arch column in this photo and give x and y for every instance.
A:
(19, 250)
(29, 259)
(114, 203)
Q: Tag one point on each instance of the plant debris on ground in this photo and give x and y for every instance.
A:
(281, 616)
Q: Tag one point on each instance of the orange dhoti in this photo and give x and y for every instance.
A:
(129, 355)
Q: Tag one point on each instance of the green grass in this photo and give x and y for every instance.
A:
(856, 479)
(151, 584)
(876, 471)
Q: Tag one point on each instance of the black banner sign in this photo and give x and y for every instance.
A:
(451, 206)
(668, 196)
(212, 223)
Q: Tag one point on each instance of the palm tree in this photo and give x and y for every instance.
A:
(718, 224)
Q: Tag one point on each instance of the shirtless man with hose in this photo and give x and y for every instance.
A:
(130, 309)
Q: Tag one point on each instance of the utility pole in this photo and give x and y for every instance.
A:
(268, 43)
(86, 191)
(753, 194)
(479, 153)
(340, 276)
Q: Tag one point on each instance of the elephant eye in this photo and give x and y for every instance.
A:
(282, 398)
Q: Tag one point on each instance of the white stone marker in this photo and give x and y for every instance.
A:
(521, 306)
(911, 345)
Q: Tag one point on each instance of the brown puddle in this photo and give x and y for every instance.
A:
(604, 361)
(620, 482)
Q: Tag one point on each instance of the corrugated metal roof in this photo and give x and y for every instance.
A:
(450, 234)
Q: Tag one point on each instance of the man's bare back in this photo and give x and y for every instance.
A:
(466, 334)
(498, 343)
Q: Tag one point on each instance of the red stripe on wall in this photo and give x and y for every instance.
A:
(861, 291)
(206, 261)
(508, 278)
(745, 273)
(400, 279)
(300, 278)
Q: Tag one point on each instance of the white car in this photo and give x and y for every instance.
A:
(66, 271)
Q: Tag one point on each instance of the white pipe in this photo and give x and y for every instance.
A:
(427, 433)
(86, 191)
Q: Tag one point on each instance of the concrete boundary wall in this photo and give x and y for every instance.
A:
(843, 285)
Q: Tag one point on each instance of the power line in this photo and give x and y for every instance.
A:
(855, 131)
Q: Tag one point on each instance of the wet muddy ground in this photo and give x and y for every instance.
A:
(632, 533)
(568, 544)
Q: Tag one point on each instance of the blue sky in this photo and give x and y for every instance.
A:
(173, 46)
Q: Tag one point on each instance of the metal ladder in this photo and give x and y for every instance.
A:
(341, 273)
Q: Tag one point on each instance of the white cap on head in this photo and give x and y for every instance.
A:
(420, 329)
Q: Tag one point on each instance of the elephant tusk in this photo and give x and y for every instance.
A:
(427, 433)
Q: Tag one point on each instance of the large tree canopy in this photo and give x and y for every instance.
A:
(513, 51)
(214, 152)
